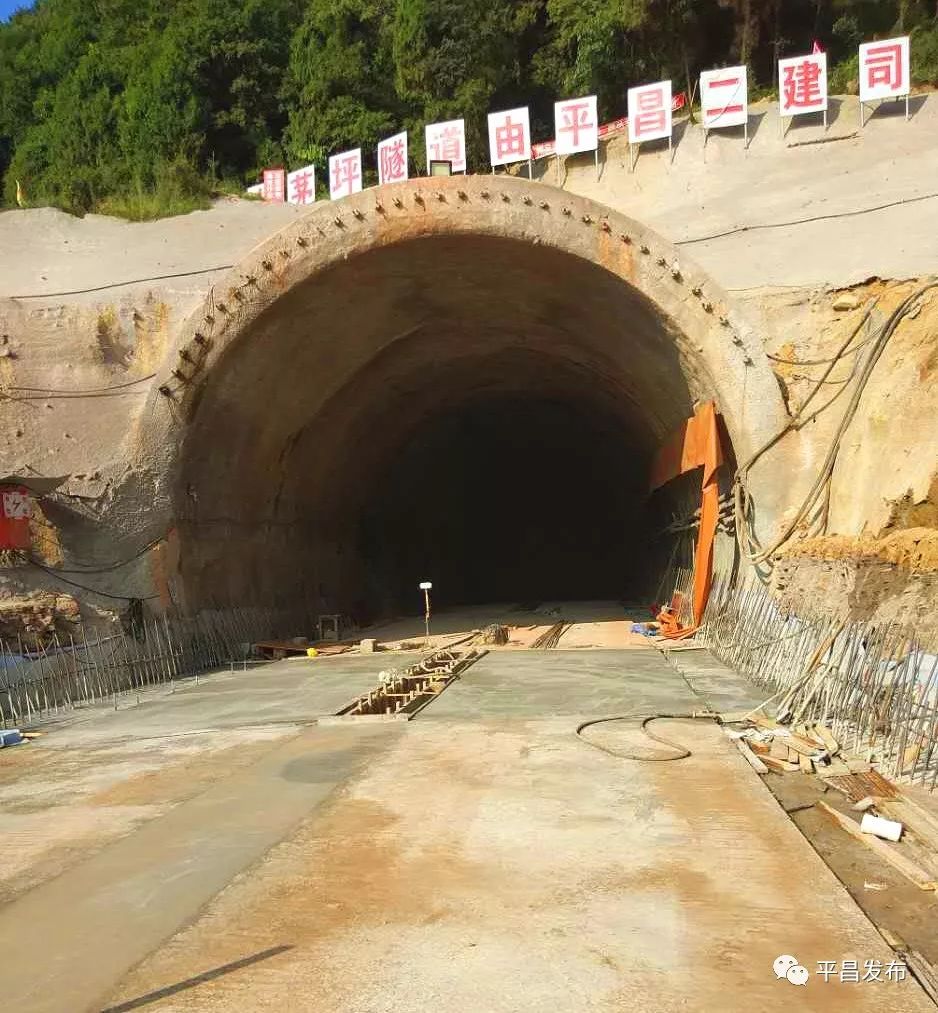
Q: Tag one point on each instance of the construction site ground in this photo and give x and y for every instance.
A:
(221, 847)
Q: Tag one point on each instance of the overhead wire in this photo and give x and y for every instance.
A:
(805, 221)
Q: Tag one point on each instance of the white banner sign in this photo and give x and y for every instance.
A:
(884, 69)
(273, 185)
(446, 142)
(301, 185)
(724, 99)
(392, 159)
(802, 85)
(345, 173)
(650, 112)
(509, 136)
(576, 125)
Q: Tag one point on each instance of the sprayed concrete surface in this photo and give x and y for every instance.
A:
(481, 857)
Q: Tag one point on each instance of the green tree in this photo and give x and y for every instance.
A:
(459, 59)
(340, 85)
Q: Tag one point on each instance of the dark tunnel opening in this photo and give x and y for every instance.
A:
(509, 498)
(476, 411)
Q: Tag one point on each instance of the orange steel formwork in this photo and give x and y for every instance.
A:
(695, 445)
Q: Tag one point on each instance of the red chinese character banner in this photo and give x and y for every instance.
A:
(301, 185)
(15, 510)
(576, 125)
(509, 136)
(274, 185)
(392, 159)
(724, 99)
(446, 142)
(884, 69)
(345, 174)
(802, 85)
(650, 112)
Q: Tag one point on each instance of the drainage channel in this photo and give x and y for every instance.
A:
(403, 693)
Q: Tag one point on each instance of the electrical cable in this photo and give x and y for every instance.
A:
(743, 499)
(93, 590)
(806, 221)
(107, 567)
(83, 390)
(74, 397)
(121, 284)
(819, 362)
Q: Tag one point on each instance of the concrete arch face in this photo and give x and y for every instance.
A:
(467, 376)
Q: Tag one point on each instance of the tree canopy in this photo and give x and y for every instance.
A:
(100, 99)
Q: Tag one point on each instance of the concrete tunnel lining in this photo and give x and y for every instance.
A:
(337, 355)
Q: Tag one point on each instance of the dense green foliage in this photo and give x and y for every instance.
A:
(145, 107)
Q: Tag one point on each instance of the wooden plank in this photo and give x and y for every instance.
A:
(825, 735)
(757, 765)
(803, 746)
(888, 852)
(778, 749)
(922, 824)
(925, 972)
(779, 766)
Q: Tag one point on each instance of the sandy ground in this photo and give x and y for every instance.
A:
(509, 867)
(595, 624)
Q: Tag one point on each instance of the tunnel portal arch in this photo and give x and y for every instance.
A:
(312, 396)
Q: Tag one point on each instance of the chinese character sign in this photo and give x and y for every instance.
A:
(345, 174)
(509, 136)
(723, 98)
(15, 511)
(274, 185)
(301, 186)
(884, 69)
(576, 125)
(392, 159)
(650, 112)
(446, 142)
(802, 85)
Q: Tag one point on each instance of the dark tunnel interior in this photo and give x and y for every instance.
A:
(477, 412)
(520, 498)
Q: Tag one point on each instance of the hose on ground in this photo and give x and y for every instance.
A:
(680, 752)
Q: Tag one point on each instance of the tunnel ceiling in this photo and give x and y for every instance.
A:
(319, 394)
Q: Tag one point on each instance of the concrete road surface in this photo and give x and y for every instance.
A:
(479, 859)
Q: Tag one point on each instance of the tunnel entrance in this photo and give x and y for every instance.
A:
(446, 397)
(509, 498)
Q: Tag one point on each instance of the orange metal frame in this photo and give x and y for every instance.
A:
(695, 445)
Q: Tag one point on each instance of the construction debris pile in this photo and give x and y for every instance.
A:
(812, 749)
(551, 636)
(883, 813)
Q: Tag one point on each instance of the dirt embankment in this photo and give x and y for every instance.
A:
(912, 550)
